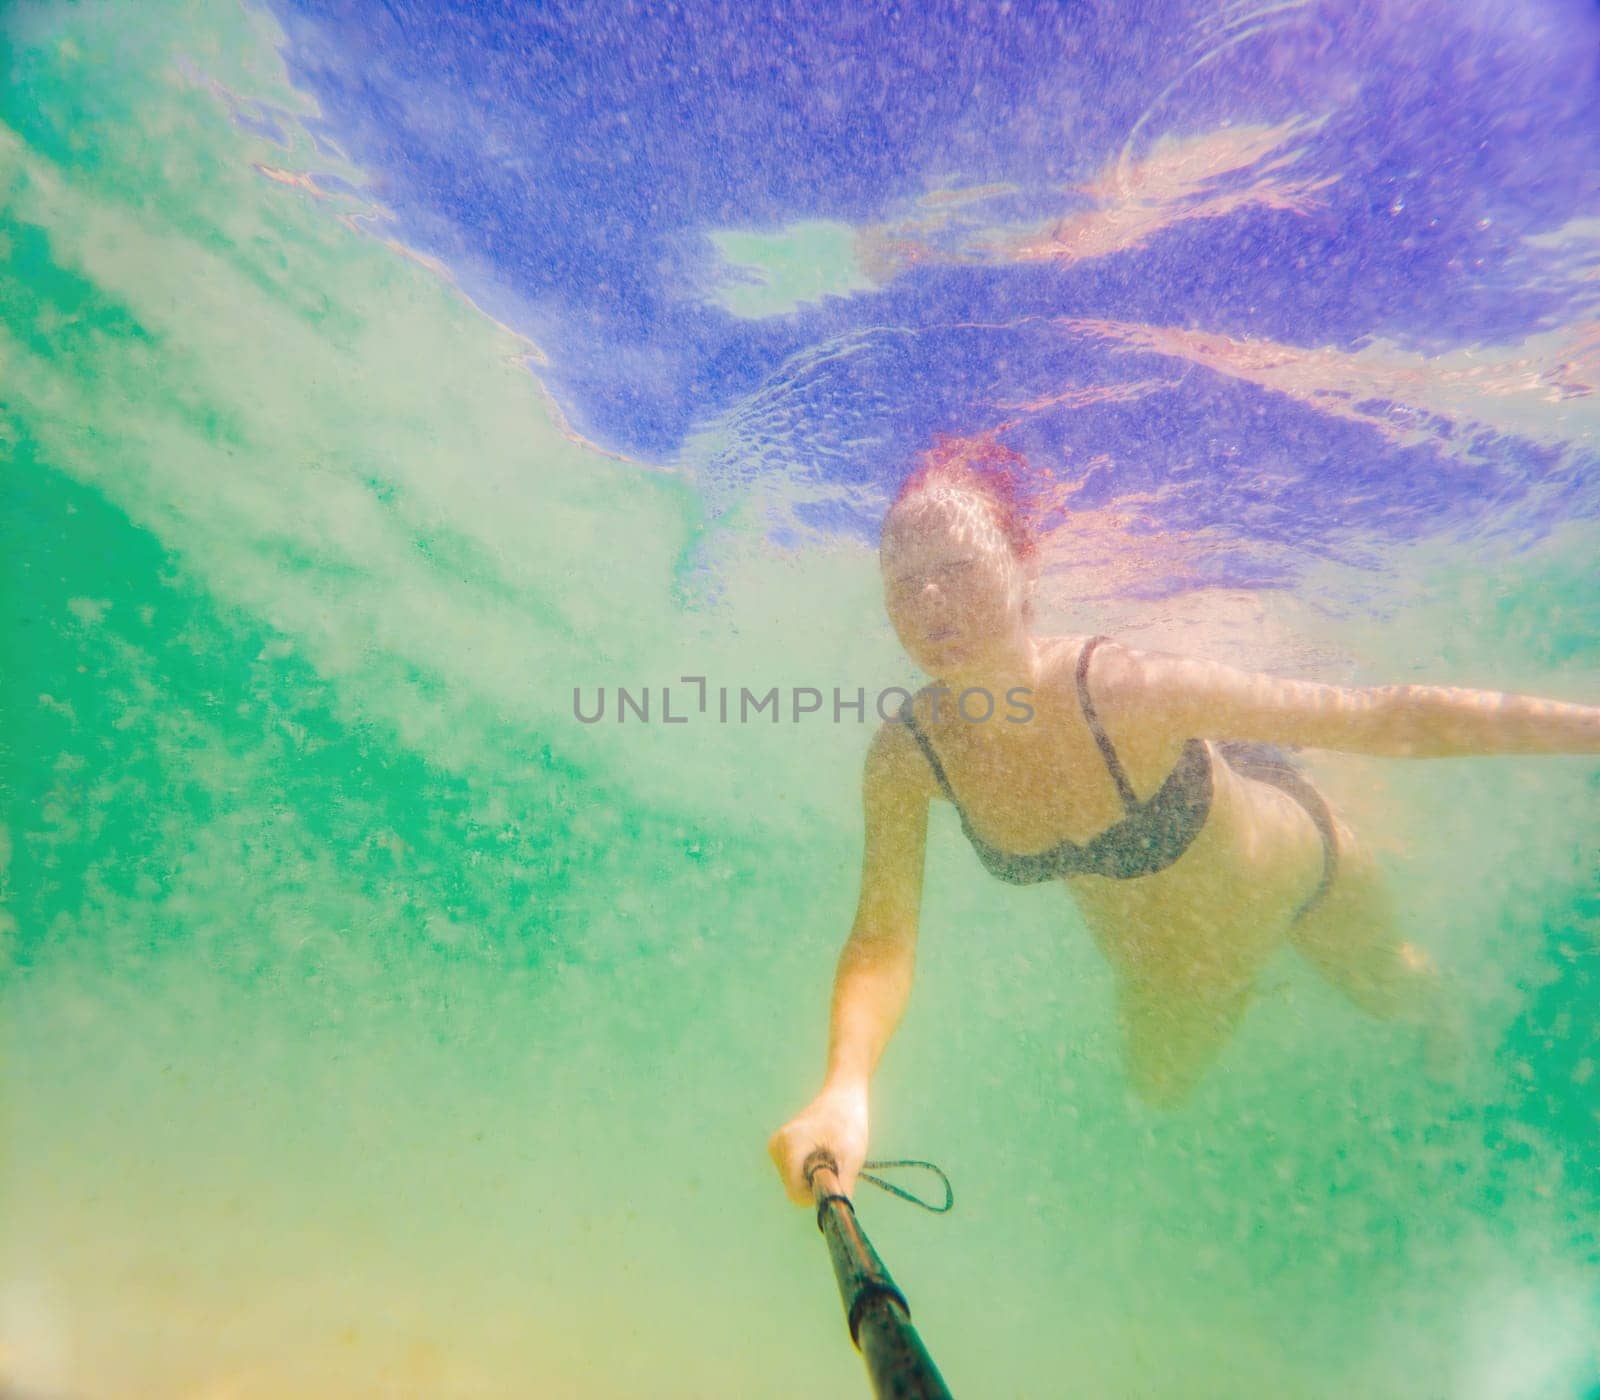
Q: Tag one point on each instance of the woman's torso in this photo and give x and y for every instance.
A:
(1026, 788)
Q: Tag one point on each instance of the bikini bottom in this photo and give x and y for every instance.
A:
(1269, 763)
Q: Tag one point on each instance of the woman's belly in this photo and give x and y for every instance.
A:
(1213, 917)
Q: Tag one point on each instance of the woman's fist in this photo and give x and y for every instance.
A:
(836, 1120)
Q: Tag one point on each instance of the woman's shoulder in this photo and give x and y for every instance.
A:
(895, 759)
(1109, 672)
(1059, 655)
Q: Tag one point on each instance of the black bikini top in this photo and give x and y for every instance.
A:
(1149, 838)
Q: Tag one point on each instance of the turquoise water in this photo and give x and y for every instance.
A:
(373, 1028)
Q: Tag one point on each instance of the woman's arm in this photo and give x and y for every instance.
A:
(873, 979)
(1410, 721)
(872, 982)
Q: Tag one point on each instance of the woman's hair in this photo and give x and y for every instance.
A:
(982, 470)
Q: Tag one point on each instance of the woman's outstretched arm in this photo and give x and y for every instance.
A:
(1409, 721)
(872, 981)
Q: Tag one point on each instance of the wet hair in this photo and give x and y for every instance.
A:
(981, 470)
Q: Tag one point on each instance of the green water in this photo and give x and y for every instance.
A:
(373, 1028)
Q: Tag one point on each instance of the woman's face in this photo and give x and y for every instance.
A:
(952, 588)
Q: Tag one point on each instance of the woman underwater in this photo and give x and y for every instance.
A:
(1144, 781)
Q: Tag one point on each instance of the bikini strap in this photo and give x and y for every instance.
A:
(929, 754)
(1130, 799)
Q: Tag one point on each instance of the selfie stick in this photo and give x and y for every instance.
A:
(898, 1365)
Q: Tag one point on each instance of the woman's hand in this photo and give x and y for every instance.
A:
(837, 1120)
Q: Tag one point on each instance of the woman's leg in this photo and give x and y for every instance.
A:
(1349, 937)
(1171, 1037)
(1173, 1034)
